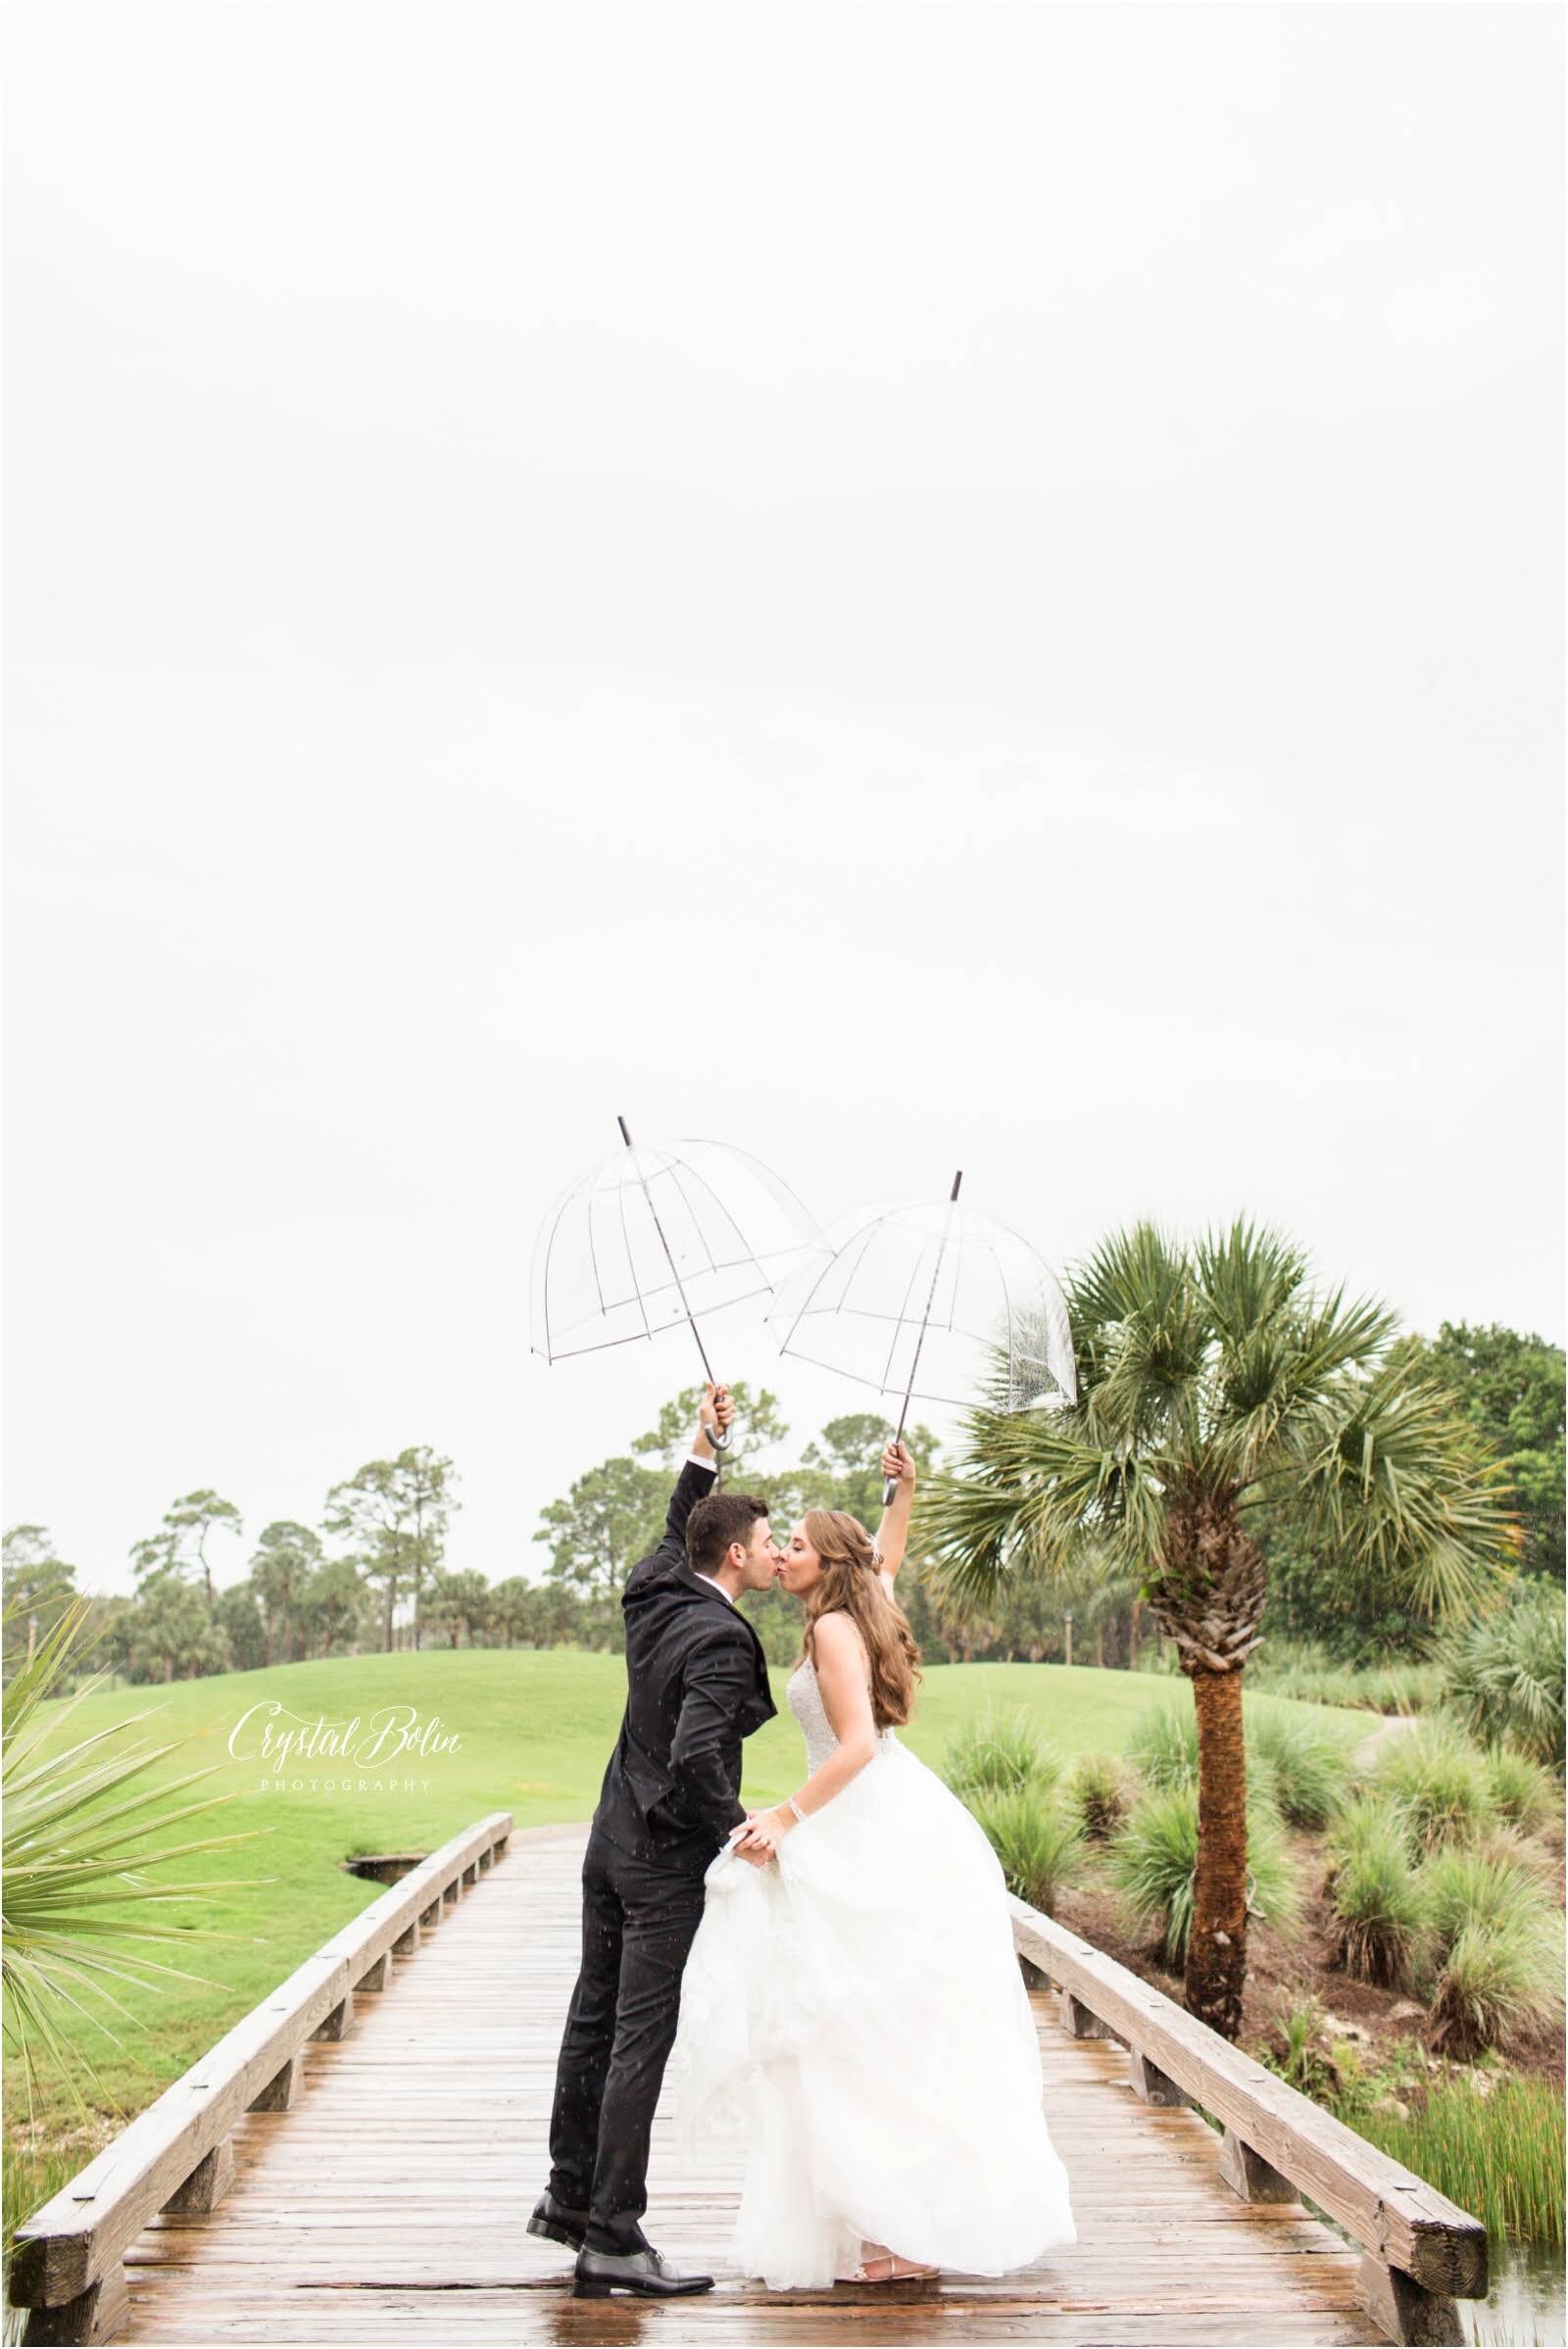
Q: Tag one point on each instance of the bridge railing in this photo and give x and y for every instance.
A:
(67, 2268)
(1420, 2251)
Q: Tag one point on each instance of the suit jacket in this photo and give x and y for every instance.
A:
(696, 1685)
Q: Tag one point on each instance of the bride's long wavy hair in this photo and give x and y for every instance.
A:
(850, 1581)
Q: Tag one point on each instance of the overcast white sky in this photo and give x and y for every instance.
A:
(906, 586)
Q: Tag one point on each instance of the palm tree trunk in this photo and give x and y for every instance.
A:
(1216, 1948)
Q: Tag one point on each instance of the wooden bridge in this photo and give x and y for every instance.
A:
(358, 2158)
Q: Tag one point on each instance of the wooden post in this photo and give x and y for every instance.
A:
(432, 1917)
(95, 2314)
(339, 2023)
(450, 1894)
(487, 1859)
(1249, 2176)
(204, 2189)
(375, 1977)
(1034, 1977)
(282, 2089)
(1405, 2309)
(407, 1943)
(470, 1875)
(1148, 2084)
(1077, 2020)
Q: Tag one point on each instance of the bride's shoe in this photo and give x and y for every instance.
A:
(896, 2270)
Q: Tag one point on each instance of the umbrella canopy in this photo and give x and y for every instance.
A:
(934, 1302)
(660, 1237)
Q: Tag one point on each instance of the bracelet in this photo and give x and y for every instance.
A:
(796, 1808)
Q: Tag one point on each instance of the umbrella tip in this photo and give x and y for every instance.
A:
(624, 1134)
(957, 1180)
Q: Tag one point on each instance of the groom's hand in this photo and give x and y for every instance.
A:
(714, 1413)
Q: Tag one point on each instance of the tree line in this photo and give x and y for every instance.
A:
(372, 1573)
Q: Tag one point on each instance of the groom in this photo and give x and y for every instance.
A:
(696, 1685)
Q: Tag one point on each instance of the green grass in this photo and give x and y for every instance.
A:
(535, 1730)
(1498, 2154)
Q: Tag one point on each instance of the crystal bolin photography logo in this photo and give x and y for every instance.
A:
(370, 1755)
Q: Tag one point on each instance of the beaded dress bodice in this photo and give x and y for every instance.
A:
(804, 1697)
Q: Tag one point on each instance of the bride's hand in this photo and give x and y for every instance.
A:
(765, 1831)
(898, 1463)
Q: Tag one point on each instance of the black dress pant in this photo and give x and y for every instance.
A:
(639, 1918)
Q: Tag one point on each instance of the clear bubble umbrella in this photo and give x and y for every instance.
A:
(663, 1235)
(933, 1302)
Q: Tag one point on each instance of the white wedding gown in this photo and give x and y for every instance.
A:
(856, 2011)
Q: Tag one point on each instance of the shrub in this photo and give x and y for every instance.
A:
(1497, 1978)
(1439, 1782)
(1379, 1903)
(1152, 1859)
(1308, 1768)
(1523, 1794)
(1040, 1847)
(1101, 1791)
(1505, 1676)
(996, 1755)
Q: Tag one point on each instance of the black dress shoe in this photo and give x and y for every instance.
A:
(646, 2271)
(552, 2218)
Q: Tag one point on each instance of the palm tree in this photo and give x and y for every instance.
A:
(1208, 1375)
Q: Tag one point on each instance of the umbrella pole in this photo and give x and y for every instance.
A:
(719, 1437)
(890, 1483)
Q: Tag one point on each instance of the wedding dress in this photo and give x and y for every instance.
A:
(856, 2011)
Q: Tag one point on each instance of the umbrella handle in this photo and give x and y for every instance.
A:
(890, 1485)
(719, 1438)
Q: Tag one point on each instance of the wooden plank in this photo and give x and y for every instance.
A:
(390, 2200)
(78, 2236)
(1404, 2222)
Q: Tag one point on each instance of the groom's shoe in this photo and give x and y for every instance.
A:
(644, 2271)
(561, 2226)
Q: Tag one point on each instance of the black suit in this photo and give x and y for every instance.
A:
(696, 1685)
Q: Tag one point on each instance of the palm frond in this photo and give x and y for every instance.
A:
(1395, 1478)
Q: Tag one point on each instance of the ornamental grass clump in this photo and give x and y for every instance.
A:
(1040, 1845)
(1376, 1898)
(1497, 1949)
(1100, 1791)
(998, 1754)
(1524, 1794)
(1154, 1855)
(1438, 1780)
(1308, 1768)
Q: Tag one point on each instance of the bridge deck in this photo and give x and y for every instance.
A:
(393, 2198)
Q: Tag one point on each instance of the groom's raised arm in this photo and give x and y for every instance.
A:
(696, 1479)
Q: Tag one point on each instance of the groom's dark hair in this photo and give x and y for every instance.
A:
(716, 1522)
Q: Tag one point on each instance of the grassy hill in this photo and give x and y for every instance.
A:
(532, 1734)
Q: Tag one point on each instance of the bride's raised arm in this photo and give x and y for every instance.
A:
(892, 1533)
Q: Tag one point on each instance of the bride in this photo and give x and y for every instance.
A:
(853, 2004)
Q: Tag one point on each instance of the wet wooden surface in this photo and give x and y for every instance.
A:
(392, 2200)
